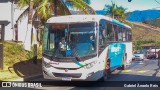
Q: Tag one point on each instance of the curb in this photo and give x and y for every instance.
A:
(29, 78)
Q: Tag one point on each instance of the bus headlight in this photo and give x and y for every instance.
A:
(47, 65)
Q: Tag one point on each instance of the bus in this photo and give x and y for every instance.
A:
(85, 47)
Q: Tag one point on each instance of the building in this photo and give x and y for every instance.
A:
(148, 46)
(10, 28)
(17, 30)
(6, 19)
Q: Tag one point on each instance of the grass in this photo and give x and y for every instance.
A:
(14, 53)
(142, 32)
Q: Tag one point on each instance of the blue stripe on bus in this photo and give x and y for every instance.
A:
(117, 22)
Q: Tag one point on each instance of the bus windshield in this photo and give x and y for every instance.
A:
(70, 40)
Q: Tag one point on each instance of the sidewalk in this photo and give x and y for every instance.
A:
(23, 71)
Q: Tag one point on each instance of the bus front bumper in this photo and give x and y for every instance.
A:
(70, 75)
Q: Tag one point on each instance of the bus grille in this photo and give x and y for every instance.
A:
(73, 75)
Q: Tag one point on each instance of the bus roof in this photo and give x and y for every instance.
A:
(83, 18)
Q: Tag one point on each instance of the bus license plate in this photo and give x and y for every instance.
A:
(66, 78)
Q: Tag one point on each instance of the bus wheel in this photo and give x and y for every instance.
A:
(124, 63)
(106, 71)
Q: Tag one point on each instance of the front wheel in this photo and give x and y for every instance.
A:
(106, 71)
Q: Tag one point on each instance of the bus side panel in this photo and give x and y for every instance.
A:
(129, 52)
(115, 54)
(102, 62)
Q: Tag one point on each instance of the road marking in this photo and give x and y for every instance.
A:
(126, 70)
(142, 71)
(140, 62)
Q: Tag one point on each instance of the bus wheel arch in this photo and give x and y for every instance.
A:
(106, 71)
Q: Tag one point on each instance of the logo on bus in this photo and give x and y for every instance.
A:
(115, 49)
(66, 70)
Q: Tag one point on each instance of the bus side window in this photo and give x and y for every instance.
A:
(109, 32)
(129, 35)
(119, 33)
(102, 33)
(101, 36)
(116, 32)
(124, 34)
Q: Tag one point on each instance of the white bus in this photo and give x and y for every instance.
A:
(85, 47)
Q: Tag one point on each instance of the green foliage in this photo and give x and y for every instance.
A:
(44, 9)
(145, 42)
(140, 42)
(14, 52)
(117, 12)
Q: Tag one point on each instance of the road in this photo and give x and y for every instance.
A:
(137, 71)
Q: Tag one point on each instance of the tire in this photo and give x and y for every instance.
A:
(106, 71)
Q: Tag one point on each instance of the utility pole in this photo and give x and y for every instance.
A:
(1, 45)
(30, 20)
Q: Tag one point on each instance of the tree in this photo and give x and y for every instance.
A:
(111, 9)
(129, 0)
(44, 9)
(120, 13)
(116, 12)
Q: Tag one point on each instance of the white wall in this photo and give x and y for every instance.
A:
(5, 15)
(22, 23)
(22, 29)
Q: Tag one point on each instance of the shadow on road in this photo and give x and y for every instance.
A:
(117, 81)
(156, 72)
(27, 68)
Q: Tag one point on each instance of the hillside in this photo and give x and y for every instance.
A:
(154, 22)
(145, 32)
(140, 16)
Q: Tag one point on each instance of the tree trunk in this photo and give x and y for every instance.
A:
(27, 42)
(55, 7)
(30, 12)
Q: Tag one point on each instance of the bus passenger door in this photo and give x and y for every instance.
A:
(115, 54)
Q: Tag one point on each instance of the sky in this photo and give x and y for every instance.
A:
(131, 6)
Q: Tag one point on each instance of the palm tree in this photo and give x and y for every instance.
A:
(111, 9)
(120, 13)
(116, 12)
(43, 9)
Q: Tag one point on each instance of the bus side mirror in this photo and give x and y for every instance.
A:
(129, 0)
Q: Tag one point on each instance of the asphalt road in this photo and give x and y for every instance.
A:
(146, 70)
(137, 71)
